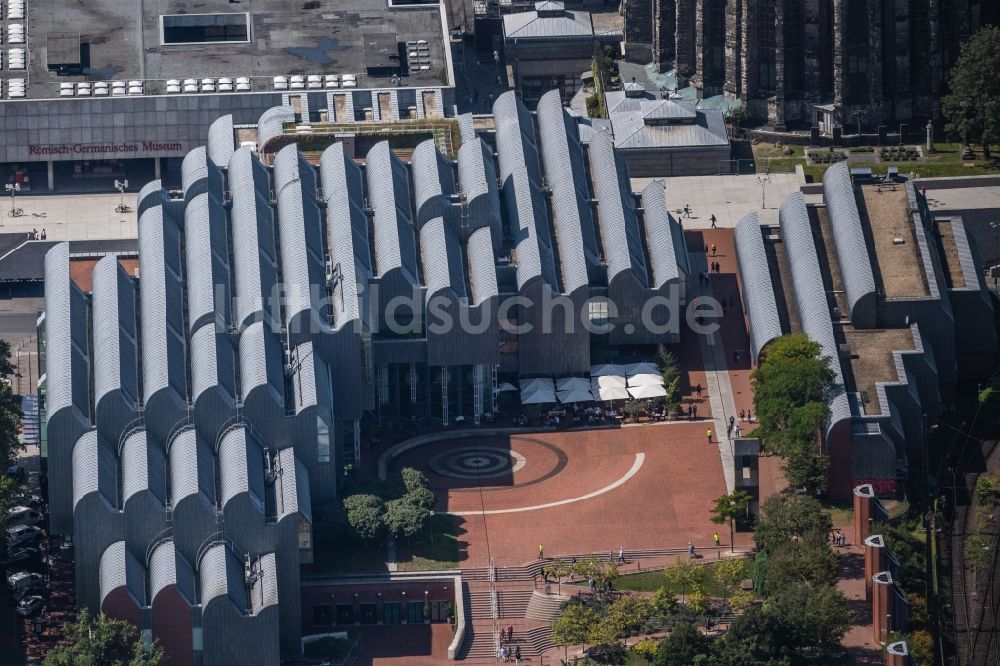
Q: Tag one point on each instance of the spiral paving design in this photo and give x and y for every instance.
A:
(477, 462)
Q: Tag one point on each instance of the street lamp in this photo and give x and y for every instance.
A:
(763, 181)
(121, 186)
(12, 189)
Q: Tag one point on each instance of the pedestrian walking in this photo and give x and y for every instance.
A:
(715, 537)
(517, 654)
(541, 552)
(591, 585)
(697, 388)
(44, 235)
(690, 550)
(687, 211)
(621, 554)
(709, 433)
(742, 415)
(737, 431)
(713, 221)
(696, 411)
(713, 249)
(510, 633)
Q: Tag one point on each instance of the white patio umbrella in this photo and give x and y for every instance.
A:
(609, 393)
(506, 386)
(647, 391)
(607, 369)
(572, 384)
(538, 383)
(539, 397)
(641, 369)
(577, 395)
(607, 381)
(646, 379)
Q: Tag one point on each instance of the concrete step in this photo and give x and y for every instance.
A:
(545, 607)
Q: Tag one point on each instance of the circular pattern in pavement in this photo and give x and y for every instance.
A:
(477, 462)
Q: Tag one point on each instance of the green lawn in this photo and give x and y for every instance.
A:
(438, 550)
(651, 581)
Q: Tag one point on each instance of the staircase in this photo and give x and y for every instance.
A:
(512, 602)
(545, 607)
(29, 420)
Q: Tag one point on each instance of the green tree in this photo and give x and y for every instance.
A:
(7, 488)
(984, 490)
(10, 411)
(728, 508)
(806, 467)
(977, 551)
(754, 639)
(558, 570)
(647, 648)
(797, 561)
(365, 515)
(972, 108)
(413, 479)
(664, 602)
(574, 625)
(670, 372)
(626, 615)
(684, 646)
(788, 516)
(792, 386)
(102, 641)
(730, 573)
(682, 574)
(405, 518)
(814, 618)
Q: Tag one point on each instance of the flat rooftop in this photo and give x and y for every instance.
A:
(124, 40)
(871, 361)
(949, 251)
(899, 263)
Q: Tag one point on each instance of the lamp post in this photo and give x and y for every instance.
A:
(121, 186)
(763, 181)
(12, 189)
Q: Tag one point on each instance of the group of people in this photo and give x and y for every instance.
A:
(733, 428)
(34, 234)
(506, 653)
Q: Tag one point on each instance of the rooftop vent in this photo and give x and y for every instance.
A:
(898, 241)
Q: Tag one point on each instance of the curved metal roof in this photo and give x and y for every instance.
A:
(616, 211)
(95, 469)
(207, 258)
(152, 193)
(221, 141)
(433, 179)
(233, 473)
(758, 291)
(58, 326)
(661, 241)
(194, 169)
(477, 175)
(143, 467)
(261, 361)
(287, 492)
(563, 159)
(252, 222)
(442, 259)
(389, 192)
(347, 229)
(162, 568)
(520, 176)
(184, 472)
(265, 588)
(213, 572)
(810, 294)
(271, 124)
(113, 569)
(849, 237)
(115, 351)
(482, 268)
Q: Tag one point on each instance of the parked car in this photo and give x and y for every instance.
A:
(17, 473)
(30, 500)
(21, 534)
(19, 555)
(33, 590)
(30, 606)
(21, 579)
(23, 515)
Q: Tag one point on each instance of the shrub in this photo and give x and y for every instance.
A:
(984, 490)
(364, 514)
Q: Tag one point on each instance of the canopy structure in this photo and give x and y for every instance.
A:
(572, 384)
(607, 369)
(641, 369)
(647, 391)
(608, 381)
(646, 379)
(539, 397)
(506, 386)
(609, 393)
(577, 395)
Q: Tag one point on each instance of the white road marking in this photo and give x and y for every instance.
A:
(639, 459)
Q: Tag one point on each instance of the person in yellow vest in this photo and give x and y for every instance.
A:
(709, 435)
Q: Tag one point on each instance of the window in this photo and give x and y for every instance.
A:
(204, 28)
(597, 313)
(390, 612)
(322, 615)
(322, 440)
(414, 612)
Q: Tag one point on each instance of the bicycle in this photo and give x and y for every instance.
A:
(123, 208)
(15, 212)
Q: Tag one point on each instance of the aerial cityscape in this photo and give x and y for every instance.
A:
(542, 332)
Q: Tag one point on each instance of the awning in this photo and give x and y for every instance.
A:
(608, 393)
(607, 369)
(539, 397)
(647, 379)
(579, 395)
(506, 386)
(647, 391)
(538, 383)
(642, 369)
(572, 384)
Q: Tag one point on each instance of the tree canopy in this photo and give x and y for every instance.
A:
(10, 411)
(683, 647)
(972, 108)
(792, 386)
(101, 641)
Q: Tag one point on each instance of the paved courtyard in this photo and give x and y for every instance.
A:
(71, 216)
(643, 487)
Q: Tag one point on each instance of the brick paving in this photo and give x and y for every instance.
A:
(423, 644)
(664, 505)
